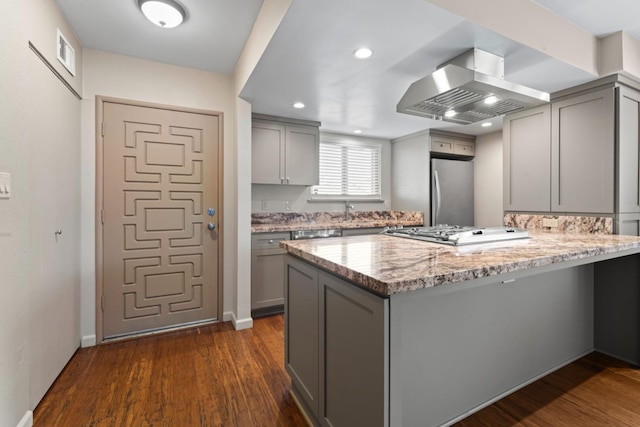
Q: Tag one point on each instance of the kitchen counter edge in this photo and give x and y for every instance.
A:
(390, 265)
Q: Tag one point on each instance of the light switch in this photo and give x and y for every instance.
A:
(5, 185)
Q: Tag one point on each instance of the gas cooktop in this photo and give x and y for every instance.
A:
(458, 235)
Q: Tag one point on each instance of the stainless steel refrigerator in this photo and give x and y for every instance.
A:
(451, 192)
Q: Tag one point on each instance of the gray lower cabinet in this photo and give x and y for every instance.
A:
(302, 333)
(267, 272)
(336, 348)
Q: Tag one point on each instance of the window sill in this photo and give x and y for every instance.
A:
(343, 200)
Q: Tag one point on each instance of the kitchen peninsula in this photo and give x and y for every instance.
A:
(385, 331)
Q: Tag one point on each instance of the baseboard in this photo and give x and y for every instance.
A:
(88, 341)
(240, 324)
(227, 316)
(27, 420)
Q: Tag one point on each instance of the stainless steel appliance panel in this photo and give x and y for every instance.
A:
(451, 192)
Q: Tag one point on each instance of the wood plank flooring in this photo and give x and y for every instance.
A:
(215, 376)
(596, 390)
(206, 376)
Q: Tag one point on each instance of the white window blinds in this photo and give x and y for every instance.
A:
(349, 170)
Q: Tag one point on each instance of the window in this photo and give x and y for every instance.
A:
(349, 169)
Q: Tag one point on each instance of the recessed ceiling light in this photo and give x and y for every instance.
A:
(491, 100)
(298, 105)
(450, 113)
(163, 13)
(357, 131)
(486, 125)
(363, 53)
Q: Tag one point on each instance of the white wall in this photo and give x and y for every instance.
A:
(118, 76)
(32, 21)
(269, 17)
(14, 225)
(276, 196)
(488, 180)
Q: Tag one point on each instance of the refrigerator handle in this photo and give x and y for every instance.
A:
(436, 180)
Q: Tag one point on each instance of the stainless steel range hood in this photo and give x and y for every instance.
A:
(467, 89)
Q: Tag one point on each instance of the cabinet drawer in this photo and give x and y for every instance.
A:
(442, 145)
(464, 148)
(268, 240)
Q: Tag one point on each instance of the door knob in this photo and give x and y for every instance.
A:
(211, 226)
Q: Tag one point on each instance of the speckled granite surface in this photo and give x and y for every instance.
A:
(566, 224)
(389, 265)
(293, 221)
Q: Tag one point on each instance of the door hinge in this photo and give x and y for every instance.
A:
(102, 129)
(102, 216)
(102, 303)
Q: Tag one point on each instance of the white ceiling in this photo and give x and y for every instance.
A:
(310, 57)
(210, 39)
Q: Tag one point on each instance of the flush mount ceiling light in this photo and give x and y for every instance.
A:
(298, 105)
(357, 131)
(163, 13)
(486, 124)
(362, 53)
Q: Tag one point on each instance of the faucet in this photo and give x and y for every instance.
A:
(347, 207)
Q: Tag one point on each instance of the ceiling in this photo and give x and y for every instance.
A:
(310, 58)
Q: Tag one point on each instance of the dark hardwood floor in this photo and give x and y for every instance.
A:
(215, 376)
(205, 376)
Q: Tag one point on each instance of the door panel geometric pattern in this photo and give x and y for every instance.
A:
(160, 263)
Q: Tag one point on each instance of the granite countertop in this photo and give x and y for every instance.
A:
(295, 221)
(389, 265)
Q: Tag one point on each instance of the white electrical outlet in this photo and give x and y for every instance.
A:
(5, 185)
(287, 205)
(550, 222)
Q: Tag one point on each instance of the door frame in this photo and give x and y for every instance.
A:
(99, 228)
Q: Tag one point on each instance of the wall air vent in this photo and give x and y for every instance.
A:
(66, 53)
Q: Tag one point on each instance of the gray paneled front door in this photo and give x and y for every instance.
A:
(160, 258)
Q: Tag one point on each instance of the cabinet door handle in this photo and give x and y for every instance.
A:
(287, 180)
(271, 241)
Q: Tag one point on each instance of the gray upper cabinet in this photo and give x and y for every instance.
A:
(582, 153)
(628, 178)
(527, 160)
(450, 144)
(284, 153)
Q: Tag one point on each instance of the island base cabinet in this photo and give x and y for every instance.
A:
(354, 355)
(336, 348)
(617, 308)
(302, 332)
(456, 348)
